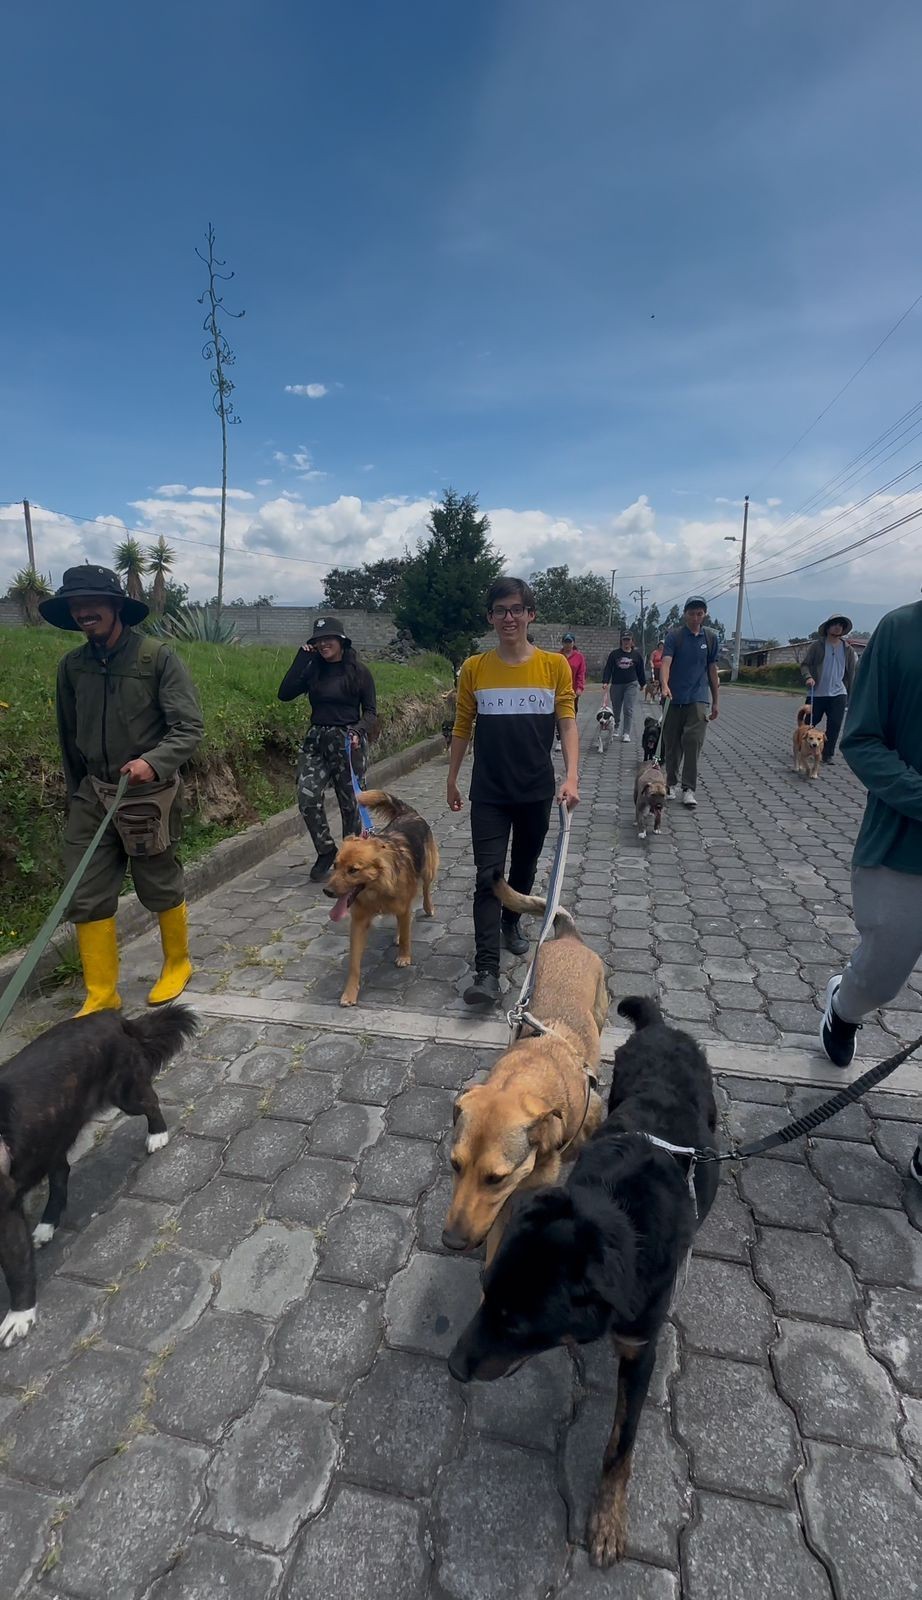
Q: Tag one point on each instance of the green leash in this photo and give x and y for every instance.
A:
(36, 949)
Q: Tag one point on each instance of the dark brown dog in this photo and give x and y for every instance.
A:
(47, 1092)
(379, 876)
(649, 797)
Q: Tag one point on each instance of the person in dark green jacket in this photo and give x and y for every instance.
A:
(883, 747)
(125, 704)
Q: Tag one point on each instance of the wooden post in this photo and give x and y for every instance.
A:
(27, 513)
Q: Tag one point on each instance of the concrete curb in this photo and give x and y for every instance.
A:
(227, 860)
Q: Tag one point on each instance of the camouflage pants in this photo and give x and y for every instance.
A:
(322, 764)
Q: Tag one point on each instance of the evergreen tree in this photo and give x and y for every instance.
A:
(441, 597)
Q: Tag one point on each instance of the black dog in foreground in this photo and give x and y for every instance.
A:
(48, 1091)
(603, 1254)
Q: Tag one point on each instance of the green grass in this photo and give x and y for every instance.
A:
(244, 770)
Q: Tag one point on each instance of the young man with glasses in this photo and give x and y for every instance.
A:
(518, 695)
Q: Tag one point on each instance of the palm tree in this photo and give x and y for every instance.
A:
(131, 562)
(160, 560)
(28, 588)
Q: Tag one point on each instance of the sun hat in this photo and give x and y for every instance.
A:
(90, 583)
(329, 628)
(838, 617)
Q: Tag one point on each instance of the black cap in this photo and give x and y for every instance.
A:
(90, 583)
(695, 600)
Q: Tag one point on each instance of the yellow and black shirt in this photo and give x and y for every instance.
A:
(513, 709)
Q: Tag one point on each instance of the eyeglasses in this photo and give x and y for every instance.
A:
(502, 612)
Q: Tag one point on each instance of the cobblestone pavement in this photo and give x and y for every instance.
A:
(237, 1385)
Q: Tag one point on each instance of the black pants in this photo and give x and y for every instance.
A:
(833, 708)
(491, 826)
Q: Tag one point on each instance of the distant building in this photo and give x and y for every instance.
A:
(765, 655)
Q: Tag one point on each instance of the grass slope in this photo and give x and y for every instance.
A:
(244, 769)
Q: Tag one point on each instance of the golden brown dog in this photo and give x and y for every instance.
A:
(538, 1104)
(651, 692)
(381, 875)
(649, 797)
(809, 744)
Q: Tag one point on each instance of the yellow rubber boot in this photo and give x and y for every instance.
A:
(177, 968)
(98, 948)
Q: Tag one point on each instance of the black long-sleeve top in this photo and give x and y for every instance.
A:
(622, 666)
(332, 705)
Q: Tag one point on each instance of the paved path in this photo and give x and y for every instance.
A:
(237, 1381)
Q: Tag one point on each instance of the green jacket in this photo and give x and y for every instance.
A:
(883, 743)
(139, 701)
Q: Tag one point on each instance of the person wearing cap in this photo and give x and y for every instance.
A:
(691, 688)
(828, 668)
(883, 746)
(125, 705)
(577, 663)
(342, 698)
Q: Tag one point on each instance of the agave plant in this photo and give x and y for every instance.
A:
(27, 589)
(160, 558)
(197, 624)
(131, 562)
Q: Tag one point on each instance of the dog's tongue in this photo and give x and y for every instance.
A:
(340, 908)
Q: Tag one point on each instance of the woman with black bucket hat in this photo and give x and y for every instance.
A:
(828, 669)
(342, 697)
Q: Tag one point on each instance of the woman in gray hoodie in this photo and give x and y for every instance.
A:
(828, 668)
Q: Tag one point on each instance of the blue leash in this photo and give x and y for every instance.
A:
(364, 813)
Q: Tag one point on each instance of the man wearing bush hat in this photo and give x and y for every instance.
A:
(828, 668)
(125, 704)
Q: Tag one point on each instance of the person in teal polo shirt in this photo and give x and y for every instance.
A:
(883, 747)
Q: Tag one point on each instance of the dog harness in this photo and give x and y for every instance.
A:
(519, 1018)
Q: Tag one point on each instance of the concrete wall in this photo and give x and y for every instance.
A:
(369, 631)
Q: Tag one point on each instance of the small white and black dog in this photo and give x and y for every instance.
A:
(47, 1093)
(606, 721)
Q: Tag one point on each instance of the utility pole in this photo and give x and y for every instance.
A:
(638, 595)
(611, 596)
(27, 513)
(738, 636)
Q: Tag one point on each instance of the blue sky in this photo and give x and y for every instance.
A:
(600, 266)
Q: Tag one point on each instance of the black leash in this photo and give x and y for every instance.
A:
(820, 1113)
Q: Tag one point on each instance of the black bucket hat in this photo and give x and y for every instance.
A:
(838, 617)
(90, 583)
(329, 628)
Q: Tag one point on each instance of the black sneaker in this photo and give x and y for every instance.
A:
(837, 1037)
(323, 866)
(915, 1165)
(513, 937)
(484, 991)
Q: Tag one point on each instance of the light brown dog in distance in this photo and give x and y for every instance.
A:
(809, 743)
(649, 797)
(381, 875)
(538, 1105)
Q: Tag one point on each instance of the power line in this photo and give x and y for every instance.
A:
(833, 555)
(839, 393)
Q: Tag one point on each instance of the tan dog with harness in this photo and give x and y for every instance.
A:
(539, 1104)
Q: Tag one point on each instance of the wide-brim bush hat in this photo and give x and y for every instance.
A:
(329, 628)
(90, 583)
(845, 621)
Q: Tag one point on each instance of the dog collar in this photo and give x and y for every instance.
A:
(519, 1017)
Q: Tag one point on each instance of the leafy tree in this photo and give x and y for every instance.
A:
(160, 558)
(176, 597)
(131, 562)
(652, 630)
(441, 594)
(672, 619)
(27, 589)
(239, 603)
(374, 586)
(582, 601)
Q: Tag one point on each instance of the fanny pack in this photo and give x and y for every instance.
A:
(142, 820)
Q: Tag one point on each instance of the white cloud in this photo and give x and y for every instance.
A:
(171, 488)
(284, 545)
(313, 391)
(369, 466)
(262, 482)
(215, 494)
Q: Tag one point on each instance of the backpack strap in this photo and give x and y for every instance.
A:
(149, 662)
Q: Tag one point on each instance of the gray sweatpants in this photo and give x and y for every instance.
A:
(888, 915)
(625, 698)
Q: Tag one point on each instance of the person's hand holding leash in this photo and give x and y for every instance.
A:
(569, 793)
(714, 713)
(454, 796)
(139, 771)
(811, 683)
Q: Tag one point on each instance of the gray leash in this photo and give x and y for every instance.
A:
(519, 1014)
